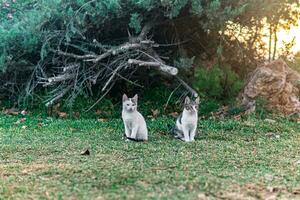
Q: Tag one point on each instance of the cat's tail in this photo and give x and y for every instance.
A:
(171, 129)
(175, 132)
(133, 139)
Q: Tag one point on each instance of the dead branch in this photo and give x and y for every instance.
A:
(71, 67)
(191, 90)
(120, 76)
(165, 68)
(160, 61)
(87, 56)
(59, 96)
(145, 31)
(111, 77)
(100, 98)
(60, 78)
(120, 49)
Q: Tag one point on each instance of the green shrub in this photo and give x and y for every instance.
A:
(207, 106)
(220, 83)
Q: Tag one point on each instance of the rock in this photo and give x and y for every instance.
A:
(24, 112)
(278, 84)
(24, 127)
(86, 153)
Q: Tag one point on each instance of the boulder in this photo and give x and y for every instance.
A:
(278, 84)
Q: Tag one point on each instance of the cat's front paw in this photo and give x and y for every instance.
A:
(188, 140)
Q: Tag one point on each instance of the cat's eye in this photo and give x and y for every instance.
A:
(133, 104)
(128, 104)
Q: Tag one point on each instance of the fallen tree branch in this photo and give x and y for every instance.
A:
(162, 67)
(120, 49)
(78, 67)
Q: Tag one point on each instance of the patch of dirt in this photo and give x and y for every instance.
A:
(19, 169)
(253, 192)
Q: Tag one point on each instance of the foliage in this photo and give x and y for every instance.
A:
(295, 62)
(262, 110)
(246, 158)
(30, 30)
(208, 106)
(135, 22)
(219, 83)
(295, 65)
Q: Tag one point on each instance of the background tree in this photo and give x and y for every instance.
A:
(70, 48)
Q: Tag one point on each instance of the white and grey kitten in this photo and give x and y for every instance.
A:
(134, 122)
(186, 124)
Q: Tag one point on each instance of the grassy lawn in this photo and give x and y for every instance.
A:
(231, 159)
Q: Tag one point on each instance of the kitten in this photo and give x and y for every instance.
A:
(186, 124)
(134, 122)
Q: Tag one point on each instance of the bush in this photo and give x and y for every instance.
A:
(220, 83)
(207, 106)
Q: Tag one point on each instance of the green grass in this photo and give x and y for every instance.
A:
(230, 159)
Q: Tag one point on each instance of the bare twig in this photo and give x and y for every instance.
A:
(145, 31)
(87, 56)
(59, 96)
(100, 98)
(112, 77)
(71, 67)
(191, 90)
(170, 96)
(122, 77)
(60, 78)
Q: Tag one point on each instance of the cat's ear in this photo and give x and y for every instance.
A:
(125, 98)
(197, 100)
(187, 100)
(135, 98)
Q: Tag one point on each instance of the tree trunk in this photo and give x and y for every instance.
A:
(275, 42)
(270, 43)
